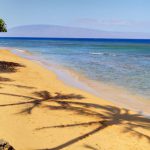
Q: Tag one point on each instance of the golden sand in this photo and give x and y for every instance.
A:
(38, 111)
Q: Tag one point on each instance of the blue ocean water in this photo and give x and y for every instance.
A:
(125, 63)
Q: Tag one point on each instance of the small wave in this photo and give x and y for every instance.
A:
(97, 53)
(105, 54)
(113, 55)
(20, 50)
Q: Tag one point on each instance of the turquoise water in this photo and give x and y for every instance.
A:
(125, 63)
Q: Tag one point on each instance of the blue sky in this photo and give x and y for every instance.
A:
(111, 15)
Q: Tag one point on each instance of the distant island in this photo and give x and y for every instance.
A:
(68, 32)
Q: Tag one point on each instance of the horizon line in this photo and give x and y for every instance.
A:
(76, 38)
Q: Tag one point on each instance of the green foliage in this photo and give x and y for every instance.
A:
(2, 26)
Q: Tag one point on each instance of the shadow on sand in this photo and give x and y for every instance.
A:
(104, 116)
(11, 67)
(70, 102)
(2, 79)
(87, 146)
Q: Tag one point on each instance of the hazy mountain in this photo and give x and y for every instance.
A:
(72, 32)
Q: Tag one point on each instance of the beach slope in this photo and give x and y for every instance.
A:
(39, 111)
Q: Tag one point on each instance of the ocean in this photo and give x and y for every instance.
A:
(122, 63)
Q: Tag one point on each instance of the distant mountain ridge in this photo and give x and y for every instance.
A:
(56, 31)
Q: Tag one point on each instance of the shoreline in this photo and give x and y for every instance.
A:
(112, 93)
(35, 103)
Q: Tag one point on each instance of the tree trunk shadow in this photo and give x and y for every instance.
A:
(70, 142)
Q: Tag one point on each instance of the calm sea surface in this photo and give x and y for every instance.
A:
(124, 63)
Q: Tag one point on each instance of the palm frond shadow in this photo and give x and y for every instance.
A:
(40, 98)
(14, 85)
(9, 67)
(2, 79)
(67, 102)
(90, 147)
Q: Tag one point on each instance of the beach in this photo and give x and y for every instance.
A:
(40, 111)
(120, 68)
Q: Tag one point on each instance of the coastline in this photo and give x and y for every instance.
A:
(39, 106)
(115, 94)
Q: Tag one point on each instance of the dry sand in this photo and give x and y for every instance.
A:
(38, 111)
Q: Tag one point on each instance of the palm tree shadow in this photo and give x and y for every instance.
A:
(113, 116)
(105, 115)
